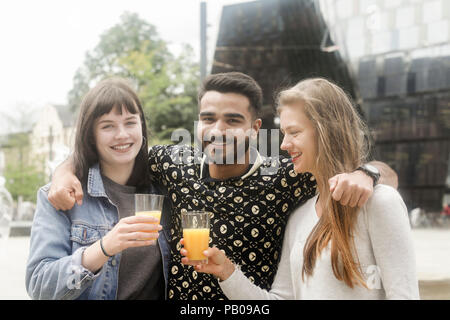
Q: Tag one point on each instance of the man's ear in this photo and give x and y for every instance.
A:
(256, 126)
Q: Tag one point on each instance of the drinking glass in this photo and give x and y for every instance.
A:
(149, 205)
(196, 235)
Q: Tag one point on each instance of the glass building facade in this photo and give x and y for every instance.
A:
(399, 53)
(393, 59)
(277, 43)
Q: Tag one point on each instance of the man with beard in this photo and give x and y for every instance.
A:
(249, 196)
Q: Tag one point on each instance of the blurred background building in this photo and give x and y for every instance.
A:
(391, 56)
(52, 136)
(29, 154)
(400, 53)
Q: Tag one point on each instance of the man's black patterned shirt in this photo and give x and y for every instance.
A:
(248, 215)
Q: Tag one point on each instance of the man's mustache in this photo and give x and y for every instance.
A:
(213, 145)
(220, 139)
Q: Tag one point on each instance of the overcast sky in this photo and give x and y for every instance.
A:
(44, 42)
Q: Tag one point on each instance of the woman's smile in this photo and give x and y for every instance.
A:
(295, 156)
(118, 139)
(122, 148)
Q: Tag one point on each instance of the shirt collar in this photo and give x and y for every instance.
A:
(254, 154)
(95, 186)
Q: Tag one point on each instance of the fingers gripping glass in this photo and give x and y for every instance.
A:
(149, 205)
(196, 235)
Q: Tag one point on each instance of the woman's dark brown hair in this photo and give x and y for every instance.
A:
(108, 94)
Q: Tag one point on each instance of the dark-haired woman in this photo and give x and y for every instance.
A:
(76, 254)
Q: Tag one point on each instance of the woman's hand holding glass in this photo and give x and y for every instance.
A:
(218, 264)
(133, 231)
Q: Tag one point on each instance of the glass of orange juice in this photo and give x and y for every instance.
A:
(196, 235)
(149, 205)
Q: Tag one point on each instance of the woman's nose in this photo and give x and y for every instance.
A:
(121, 132)
(285, 144)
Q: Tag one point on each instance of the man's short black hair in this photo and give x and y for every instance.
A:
(234, 82)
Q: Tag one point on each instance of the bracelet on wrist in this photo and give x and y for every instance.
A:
(103, 249)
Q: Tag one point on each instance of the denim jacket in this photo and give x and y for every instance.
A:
(58, 239)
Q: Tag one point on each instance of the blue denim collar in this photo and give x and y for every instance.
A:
(95, 186)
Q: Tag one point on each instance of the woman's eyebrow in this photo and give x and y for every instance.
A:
(288, 128)
(105, 121)
(131, 118)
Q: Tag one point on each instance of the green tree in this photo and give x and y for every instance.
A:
(22, 181)
(166, 85)
(22, 175)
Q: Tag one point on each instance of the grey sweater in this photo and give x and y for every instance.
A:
(140, 268)
(384, 247)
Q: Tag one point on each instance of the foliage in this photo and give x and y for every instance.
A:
(166, 85)
(22, 181)
(22, 175)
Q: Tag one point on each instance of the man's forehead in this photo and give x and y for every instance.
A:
(225, 103)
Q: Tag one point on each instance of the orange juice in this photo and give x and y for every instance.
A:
(156, 214)
(196, 241)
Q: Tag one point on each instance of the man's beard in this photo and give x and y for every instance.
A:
(234, 152)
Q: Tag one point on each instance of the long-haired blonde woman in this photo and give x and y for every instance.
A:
(331, 251)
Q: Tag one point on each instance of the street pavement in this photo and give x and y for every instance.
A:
(432, 253)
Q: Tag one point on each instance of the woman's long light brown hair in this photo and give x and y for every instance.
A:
(341, 147)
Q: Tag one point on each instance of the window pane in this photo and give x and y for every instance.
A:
(432, 10)
(405, 17)
(438, 32)
(408, 38)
